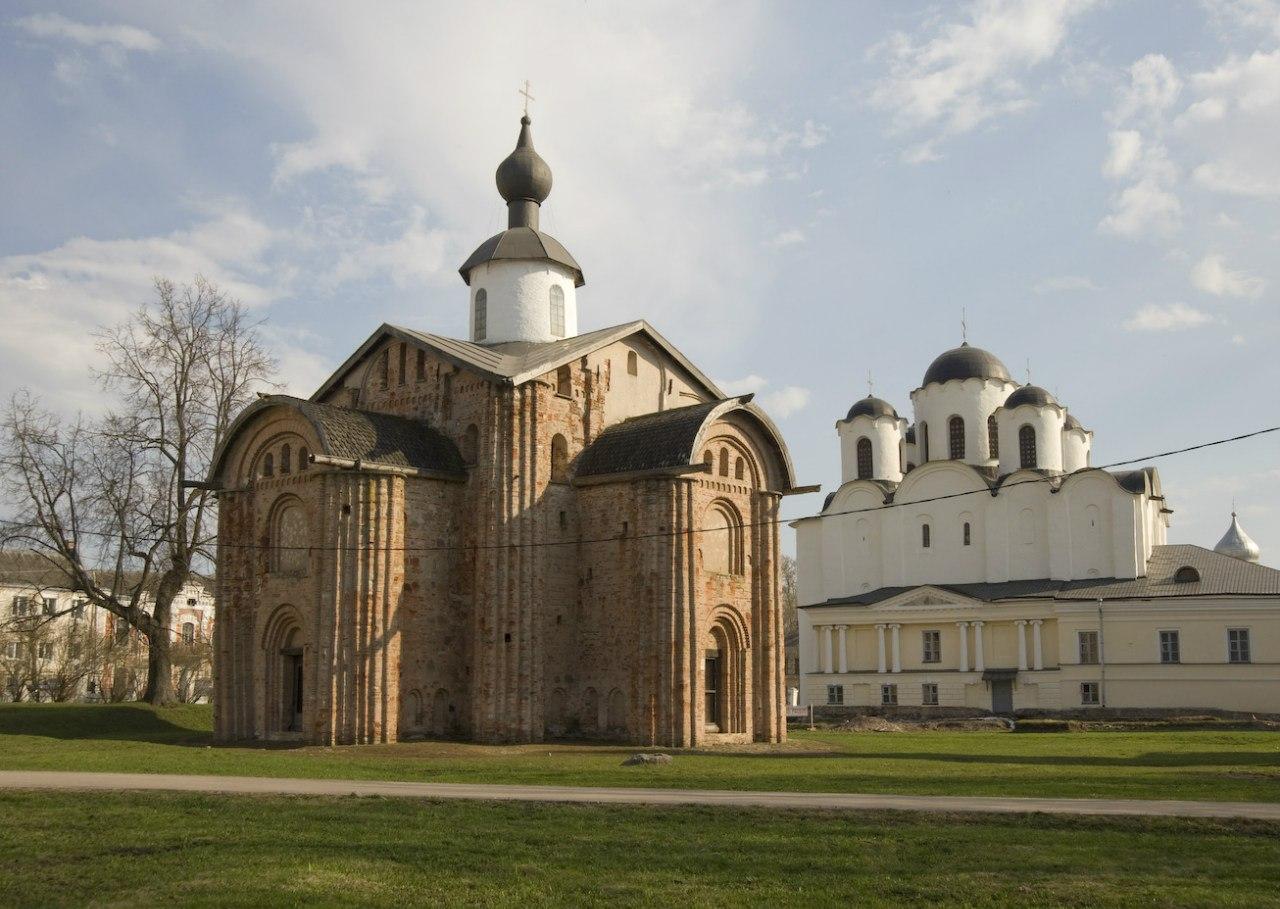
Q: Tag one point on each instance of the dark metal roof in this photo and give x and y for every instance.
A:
(380, 438)
(522, 243)
(871, 407)
(1070, 422)
(1220, 575)
(523, 175)
(1030, 394)
(965, 362)
(649, 442)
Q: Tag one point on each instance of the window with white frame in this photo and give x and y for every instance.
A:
(50, 605)
(1170, 651)
(889, 695)
(932, 646)
(1088, 647)
(929, 694)
(44, 650)
(13, 650)
(835, 694)
(557, 311)
(21, 607)
(1089, 694)
(77, 608)
(1238, 645)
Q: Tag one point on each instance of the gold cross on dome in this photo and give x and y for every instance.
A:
(527, 97)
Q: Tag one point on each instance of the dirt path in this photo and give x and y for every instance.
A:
(248, 785)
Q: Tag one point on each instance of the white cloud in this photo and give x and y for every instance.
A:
(969, 72)
(1212, 276)
(1146, 208)
(1125, 153)
(1152, 89)
(792, 237)
(1173, 317)
(780, 403)
(1234, 127)
(1064, 284)
(53, 25)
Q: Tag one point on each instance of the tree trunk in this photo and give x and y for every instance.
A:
(159, 690)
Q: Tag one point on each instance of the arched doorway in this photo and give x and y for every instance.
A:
(724, 673)
(286, 678)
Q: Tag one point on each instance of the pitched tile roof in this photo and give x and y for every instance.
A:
(1220, 575)
(649, 442)
(378, 437)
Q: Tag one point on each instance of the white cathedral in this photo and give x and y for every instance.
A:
(975, 558)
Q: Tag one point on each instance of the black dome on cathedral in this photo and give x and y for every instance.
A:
(871, 407)
(1030, 394)
(523, 174)
(965, 362)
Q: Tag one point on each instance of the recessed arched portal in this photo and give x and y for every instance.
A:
(284, 650)
(724, 673)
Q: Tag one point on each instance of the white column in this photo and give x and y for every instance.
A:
(978, 664)
(844, 651)
(826, 648)
(1022, 643)
(879, 648)
(964, 645)
(1037, 650)
(897, 648)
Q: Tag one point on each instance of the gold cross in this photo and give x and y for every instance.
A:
(527, 97)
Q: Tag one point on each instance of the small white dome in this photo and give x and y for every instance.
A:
(1237, 544)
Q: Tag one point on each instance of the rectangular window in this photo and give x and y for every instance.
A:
(932, 646)
(21, 606)
(929, 694)
(889, 695)
(50, 605)
(45, 651)
(11, 650)
(835, 694)
(1238, 645)
(564, 382)
(1088, 647)
(1089, 694)
(77, 609)
(1169, 649)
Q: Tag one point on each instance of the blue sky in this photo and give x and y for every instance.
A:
(795, 194)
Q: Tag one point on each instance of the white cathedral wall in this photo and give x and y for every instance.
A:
(519, 299)
(657, 385)
(1075, 449)
(885, 434)
(972, 399)
(1047, 422)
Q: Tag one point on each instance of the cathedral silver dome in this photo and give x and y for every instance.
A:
(1237, 544)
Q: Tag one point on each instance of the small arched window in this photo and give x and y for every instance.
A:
(403, 375)
(269, 465)
(739, 469)
(557, 311)
(925, 540)
(633, 364)
(559, 459)
(709, 459)
(286, 458)
(993, 438)
(1187, 574)
(865, 463)
(924, 442)
(289, 538)
(724, 462)
(1027, 446)
(967, 535)
(384, 368)
(304, 458)
(422, 365)
(564, 382)
(470, 444)
(955, 436)
(480, 319)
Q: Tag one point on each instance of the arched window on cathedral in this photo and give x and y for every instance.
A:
(924, 442)
(865, 464)
(421, 374)
(633, 364)
(925, 541)
(968, 536)
(481, 318)
(470, 444)
(993, 438)
(288, 553)
(268, 465)
(564, 382)
(304, 458)
(724, 462)
(286, 458)
(559, 459)
(739, 469)
(709, 459)
(955, 433)
(1027, 446)
(557, 311)
(403, 375)
(722, 539)
(384, 368)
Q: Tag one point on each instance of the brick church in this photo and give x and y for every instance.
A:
(529, 534)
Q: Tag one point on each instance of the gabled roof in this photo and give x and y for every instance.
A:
(516, 362)
(360, 435)
(522, 243)
(1219, 576)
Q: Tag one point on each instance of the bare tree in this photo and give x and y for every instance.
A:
(790, 615)
(118, 505)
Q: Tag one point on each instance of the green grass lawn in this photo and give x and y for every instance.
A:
(1216, 765)
(171, 849)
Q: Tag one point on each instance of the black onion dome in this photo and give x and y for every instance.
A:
(965, 362)
(871, 407)
(523, 174)
(1030, 394)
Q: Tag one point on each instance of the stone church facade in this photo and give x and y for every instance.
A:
(528, 534)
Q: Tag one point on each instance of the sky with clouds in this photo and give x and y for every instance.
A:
(796, 195)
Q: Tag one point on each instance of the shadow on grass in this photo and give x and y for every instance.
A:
(114, 722)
